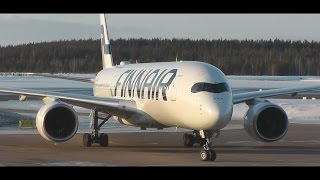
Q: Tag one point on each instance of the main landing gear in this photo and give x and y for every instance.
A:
(203, 138)
(95, 136)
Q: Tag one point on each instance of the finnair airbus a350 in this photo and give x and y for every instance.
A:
(192, 95)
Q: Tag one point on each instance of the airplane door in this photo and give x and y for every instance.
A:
(174, 90)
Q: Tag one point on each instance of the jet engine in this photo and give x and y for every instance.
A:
(57, 122)
(265, 121)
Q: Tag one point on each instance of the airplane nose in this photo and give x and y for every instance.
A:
(226, 108)
(219, 112)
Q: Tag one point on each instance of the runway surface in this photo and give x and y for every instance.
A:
(300, 147)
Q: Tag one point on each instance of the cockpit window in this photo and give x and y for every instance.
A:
(214, 88)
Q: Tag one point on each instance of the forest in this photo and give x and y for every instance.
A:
(234, 57)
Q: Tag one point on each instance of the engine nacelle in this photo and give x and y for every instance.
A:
(265, 121)
(57, 122)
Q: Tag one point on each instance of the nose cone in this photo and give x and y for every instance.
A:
(218, 111)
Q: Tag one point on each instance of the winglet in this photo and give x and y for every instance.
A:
(107, 61)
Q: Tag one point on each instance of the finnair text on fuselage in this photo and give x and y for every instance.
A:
(139, 80)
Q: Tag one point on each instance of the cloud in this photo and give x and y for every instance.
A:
(9, 17)
(16, 29)
(19, 30)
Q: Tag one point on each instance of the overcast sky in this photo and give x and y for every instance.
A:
(26, 28)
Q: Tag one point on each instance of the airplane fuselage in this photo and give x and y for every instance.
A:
(191, 95)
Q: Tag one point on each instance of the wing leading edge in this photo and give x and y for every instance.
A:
(116, 107)
(243, 97)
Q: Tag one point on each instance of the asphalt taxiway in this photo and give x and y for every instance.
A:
(300, 147)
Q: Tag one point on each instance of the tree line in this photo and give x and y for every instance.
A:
(233, 57)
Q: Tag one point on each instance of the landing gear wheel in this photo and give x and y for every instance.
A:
(213, 155)
(188, 140)
(104, 140)
(87, 140)
(204, 155)
(208, 155)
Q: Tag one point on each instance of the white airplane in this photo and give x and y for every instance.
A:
(192, 95)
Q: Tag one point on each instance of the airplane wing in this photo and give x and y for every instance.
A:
(126, 107)
(111, 106)
(80, 79)
(243, 97)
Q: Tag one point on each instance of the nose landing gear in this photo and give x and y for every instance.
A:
(208, 154)
(203, 138)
